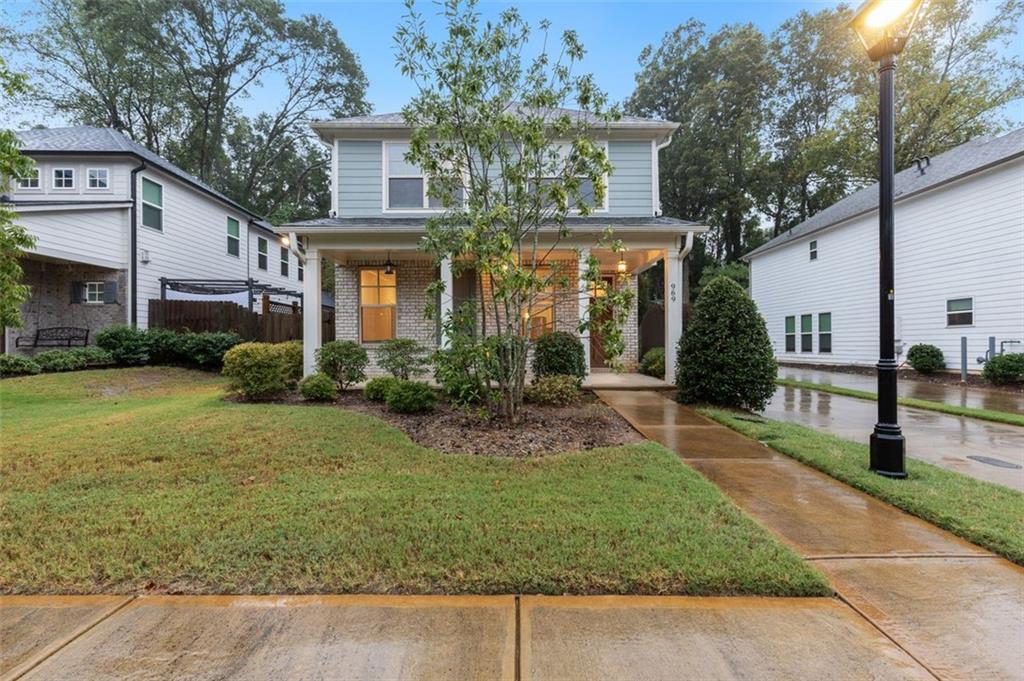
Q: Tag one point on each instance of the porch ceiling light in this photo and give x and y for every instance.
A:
(621, 267)
(285, 241)
(389, 267)
(884, 26)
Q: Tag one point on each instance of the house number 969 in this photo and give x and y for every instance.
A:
(672, 292)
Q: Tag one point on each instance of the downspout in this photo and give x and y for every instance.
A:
(656, 161)
(133, 238)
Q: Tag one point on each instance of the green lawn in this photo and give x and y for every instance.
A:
(956, 410)
(126, 480)
(988, 515)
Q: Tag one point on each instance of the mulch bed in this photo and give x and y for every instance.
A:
(588, 424)
(940, 378)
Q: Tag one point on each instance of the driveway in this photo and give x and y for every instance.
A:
(989, 451)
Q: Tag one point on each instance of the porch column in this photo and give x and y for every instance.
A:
(584, 304)
(673, 309)
(447, 297)
(312, 312)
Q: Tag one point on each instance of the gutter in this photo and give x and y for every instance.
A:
(133, 238)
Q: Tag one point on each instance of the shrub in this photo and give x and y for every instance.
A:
(554, 390)
(206, 350)
(93, 356)
(653, 363)
(127, 345)
(1003, 369)
(256, 370)
(59, 360)
(318, 388)
(401, 357)
(410, 397)
(377, 389)
(559, 353)
(164, 346)
(16, 365)
(344, 361)
(925, 358)
(725, 357)
(292, 354)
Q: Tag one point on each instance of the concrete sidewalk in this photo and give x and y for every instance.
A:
(442, 637)
(955, 608)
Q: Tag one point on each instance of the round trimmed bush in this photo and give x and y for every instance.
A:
(653, 363)
(59, 360)
(925, 358)
(376, 389)
(127, 345)
(16, 365)
(344, 361)
(553, 390)
(559, 353)
(1005, 369)
(410, 397)
(318, 388)
(291, 351)
(256, 370)
(725, 357)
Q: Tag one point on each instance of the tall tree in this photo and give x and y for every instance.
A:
(13, 238)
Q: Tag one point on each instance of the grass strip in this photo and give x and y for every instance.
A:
(952, 409)
(984, 513)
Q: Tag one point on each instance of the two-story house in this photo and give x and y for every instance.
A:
(379, 210)
(111, 219)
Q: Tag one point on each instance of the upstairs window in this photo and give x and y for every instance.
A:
(233, 237)
(152, 204)
(806, 333)
(960, 312)
(790, 334)
(406, 186)
(98, 178)
(63, 178)
(586, 190)
(825, 332)
(261, 253)
(30, 181)
(814, 250)
(378, 295)
(284, 261)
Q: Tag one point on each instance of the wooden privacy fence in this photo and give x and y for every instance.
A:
(200, 315)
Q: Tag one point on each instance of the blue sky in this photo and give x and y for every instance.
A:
(614, 33)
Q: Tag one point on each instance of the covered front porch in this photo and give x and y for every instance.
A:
(381, 277)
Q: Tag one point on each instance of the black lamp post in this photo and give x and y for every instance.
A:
(884, 27)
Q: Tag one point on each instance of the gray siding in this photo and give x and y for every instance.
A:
(629, 185)
(360, 189)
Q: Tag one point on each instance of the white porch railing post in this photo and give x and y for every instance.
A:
(447, 297)
(584, 304)
(673, 309)
(312, 312)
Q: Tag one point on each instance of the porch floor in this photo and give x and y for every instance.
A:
(609, 380)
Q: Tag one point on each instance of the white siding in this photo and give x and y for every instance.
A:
(95, 236)
(964, 239)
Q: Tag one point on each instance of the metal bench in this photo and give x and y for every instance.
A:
(54, 336)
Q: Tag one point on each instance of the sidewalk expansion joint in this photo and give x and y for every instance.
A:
(47, 654)
(519, 643)
(899, 556)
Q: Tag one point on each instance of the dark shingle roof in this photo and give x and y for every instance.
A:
(86, 139)
(958, 162)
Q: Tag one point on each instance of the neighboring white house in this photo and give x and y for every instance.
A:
(379, 212)
(111, 218)
(959, 264)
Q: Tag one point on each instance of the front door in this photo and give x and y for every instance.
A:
(598, 360)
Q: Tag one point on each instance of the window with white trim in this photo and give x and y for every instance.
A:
(806, 333)
(539, 318)
(960, 312)
(378, 298)
(261, 253)
(790, 334)
(152, 204)
(63, 178)
(30, 181)
(233, 237)
(406, 186)
(586, 189)
(284, 261)
(94, 292)
(97, 178)
(824, 332)
(814, 250)
(300, 269)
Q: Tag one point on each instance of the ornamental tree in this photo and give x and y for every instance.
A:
(509, 165)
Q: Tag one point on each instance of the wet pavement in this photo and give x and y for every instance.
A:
(989, 451)
(955, 608)
(960, 396)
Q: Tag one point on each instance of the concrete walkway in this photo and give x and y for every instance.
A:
(960, 396)
(989, 451)
(957, 609)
